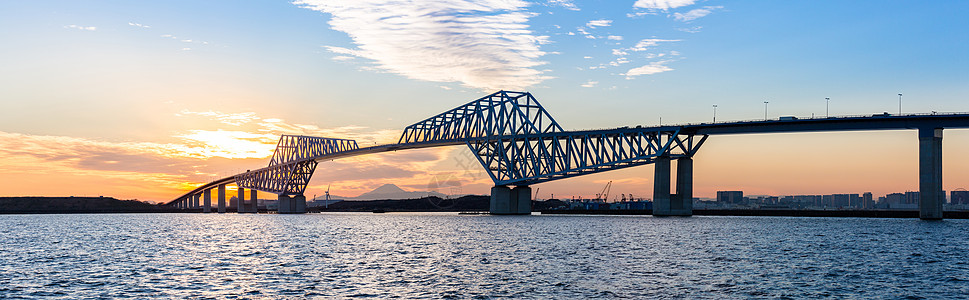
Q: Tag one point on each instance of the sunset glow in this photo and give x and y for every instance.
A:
(149, 100)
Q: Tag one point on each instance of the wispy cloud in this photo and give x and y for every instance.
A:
(138, 25)
(615, 37)
(234, 119)
(590, 83)
(662, 4)
(483, 44)
(88, 28)
(652, 68)
(645, 44)
(696, 13)
(567, 4)
(598, 23)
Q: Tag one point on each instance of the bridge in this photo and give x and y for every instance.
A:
(519, 144)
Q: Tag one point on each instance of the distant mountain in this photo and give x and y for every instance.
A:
(391, 191)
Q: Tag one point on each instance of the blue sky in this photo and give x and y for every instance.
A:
(129, 76)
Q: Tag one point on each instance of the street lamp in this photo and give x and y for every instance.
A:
(714, 113)
(765, 110)
(827, 102)
(899, 103)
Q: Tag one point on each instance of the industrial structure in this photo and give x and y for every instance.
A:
(519, 143)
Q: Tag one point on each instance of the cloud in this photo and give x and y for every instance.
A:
(598, 23)
(645, 44)
(163, 170)
(343, 58)
(693, 29)
(590, 83)
(652, 68)
(138, 25)
(567, 4)
(695, 14)
(615, 37)
(88, 28)
(234, 119)
(662, 4)
(484, 45)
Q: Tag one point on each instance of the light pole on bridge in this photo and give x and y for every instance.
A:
(827, 102)
(899, 103)
(765, 110)
(714, 113)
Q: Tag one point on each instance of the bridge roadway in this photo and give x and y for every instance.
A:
(540, 155)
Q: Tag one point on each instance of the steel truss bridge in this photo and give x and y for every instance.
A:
(520, 144)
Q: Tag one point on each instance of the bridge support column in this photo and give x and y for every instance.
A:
(931, 196)
(221, 198)
(507, 201)
(195, 200)
(207, 201)
(241, 200)
(292, 204)
(254, 202)
(681, 203)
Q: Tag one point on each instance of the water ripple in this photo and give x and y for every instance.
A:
(456, 257)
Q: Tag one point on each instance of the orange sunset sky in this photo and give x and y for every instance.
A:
(145, 101)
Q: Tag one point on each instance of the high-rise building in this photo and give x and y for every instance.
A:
(840, 200)
(866, 201)
(735, 197)
(895, 198)
(911, 197)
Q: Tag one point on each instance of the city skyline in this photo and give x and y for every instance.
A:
(145, 100)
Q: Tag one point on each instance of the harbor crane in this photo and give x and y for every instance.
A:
(604, 195)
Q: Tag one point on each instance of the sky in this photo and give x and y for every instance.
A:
(148, 99)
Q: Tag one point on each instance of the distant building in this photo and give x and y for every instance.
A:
(735, 197)
(895, 198)
(911, 197)
(959, 197)
(866, 201)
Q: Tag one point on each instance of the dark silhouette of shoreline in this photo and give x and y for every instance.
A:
(471, 203)
(76, 205)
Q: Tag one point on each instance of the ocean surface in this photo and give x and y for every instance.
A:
(450, 256)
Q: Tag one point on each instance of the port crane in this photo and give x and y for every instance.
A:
(604, 195)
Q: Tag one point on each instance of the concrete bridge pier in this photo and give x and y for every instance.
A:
(222, 198)
(253, 202)
(292, 204)
(931, 195)
(207, 201)
(196, 200)
(241, 200)
(508, 201)
(665, 203)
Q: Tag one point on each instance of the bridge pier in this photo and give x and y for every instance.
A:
(240, 200)
(508, 201)
(196, 200)
(254, 202)
(291, 204)
(207, 201)
(665, 203)
(931, 196)
(222, 198)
